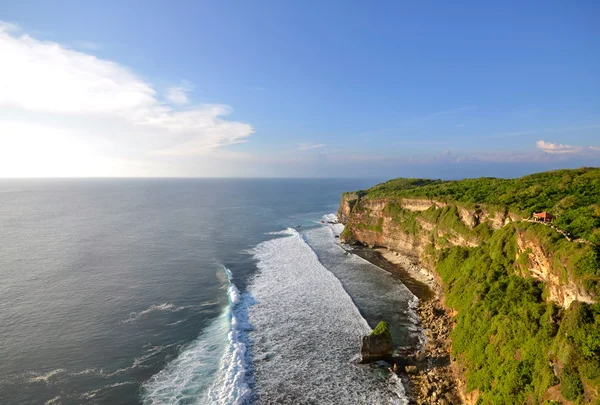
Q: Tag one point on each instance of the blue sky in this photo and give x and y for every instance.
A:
(311, 88)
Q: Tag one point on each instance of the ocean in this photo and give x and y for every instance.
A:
(189, 291)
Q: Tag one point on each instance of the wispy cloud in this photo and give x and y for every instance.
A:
(87, 45)
(308, 146)
(573, 128)
(541, 131)
(595, 148)
(178, 95)
(557, 148)
(58, 97)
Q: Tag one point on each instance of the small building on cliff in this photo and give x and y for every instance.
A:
(543, 217)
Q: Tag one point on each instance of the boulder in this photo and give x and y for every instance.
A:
(378, 345)
(411, 370)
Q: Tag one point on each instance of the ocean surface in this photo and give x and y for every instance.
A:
(189, 291)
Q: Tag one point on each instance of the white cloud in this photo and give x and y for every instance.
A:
(178, 95)
(57, 105)
(596, 148)
(557, 148)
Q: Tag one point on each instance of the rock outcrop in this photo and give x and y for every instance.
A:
(542, 266)
(378, 345)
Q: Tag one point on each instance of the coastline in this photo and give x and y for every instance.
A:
(429, 374)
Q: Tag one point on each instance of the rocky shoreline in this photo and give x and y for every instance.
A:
(429, 374)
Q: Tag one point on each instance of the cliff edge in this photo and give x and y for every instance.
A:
(525, 292)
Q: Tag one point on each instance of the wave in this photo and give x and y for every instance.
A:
(230, 385)
(151, 352)
(45, 378)
(166, 307)
(213, 369)
(331, 220)
(53, 400)
(89, 371)
(361, 279)
(307, 332)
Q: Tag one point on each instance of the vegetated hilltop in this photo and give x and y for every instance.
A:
(571, 195)
(528, 325)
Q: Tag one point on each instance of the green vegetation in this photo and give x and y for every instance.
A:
(382, 329)
(405, 218)
(572, 195)
(375, 227)
(347, 234)
(448, 219)
(579, 261)
(513, 343)
(509, 339)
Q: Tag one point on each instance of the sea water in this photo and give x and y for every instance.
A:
(188, 291)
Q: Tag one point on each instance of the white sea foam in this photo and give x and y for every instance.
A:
(307, 332)
(89, 371)
(117, 372)
(45, 378)
(176, 322)
(357, 271)
(211, 370)
(52, 401)
(151, 351)
(118, 384)
(209, 303)
(165, 307)
(230, 385)
(330, 217)
(90, 394)
(337, 228)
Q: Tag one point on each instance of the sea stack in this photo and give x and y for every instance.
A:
(378, 345)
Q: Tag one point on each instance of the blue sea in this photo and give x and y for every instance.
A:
(189, 291)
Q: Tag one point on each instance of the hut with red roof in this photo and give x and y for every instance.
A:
(543, 217)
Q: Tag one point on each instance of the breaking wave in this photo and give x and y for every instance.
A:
(307, 332)
(213, 369)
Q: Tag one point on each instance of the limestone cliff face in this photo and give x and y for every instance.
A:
(347, 202)
(390, 234)
(371, 225)
(541, 264)
(404, 226)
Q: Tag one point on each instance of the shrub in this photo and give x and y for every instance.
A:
(571, 386)
(382, 329)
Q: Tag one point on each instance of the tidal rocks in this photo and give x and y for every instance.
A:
(378, 345)
(433, 380)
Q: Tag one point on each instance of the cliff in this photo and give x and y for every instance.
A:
(420, 228)
(476, 236)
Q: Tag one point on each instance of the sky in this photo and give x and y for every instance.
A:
(298, 88)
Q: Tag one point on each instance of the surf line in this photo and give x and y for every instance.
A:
(215, 368)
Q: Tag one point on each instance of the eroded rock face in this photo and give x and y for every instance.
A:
(392, 236)
(370, 223)
(346, 203)
(375, 348)
(560, 290)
